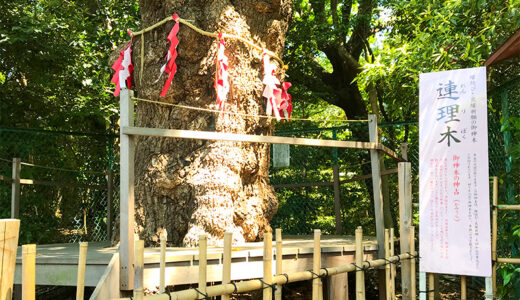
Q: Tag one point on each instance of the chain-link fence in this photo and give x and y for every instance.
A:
(305, 188)
(65, 195)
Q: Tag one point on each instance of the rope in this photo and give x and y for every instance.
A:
(286, 278)
(359, 268)
(206, 297)
(272, 285)
(235, 286)
(238, 113)
(326, 272)
(53, 168)
(142, 60)
(60, 169)
(389, 262)
(213, 35)
(412, 255)
(369, 266)
(317, 275)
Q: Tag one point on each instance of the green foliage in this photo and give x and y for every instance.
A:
(510, 288)
(427, 36)
(54, 75)
(54, 62)
(513, 125)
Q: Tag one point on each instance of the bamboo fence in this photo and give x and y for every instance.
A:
(271, 284)
(29, 271)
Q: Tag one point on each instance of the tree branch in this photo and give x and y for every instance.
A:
(362, 29)
(334, 12)
(319, 10)
(345, 12)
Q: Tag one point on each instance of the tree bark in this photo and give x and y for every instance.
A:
(189, 187)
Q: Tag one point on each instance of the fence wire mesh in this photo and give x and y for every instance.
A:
(80, 213)
(76, 208)
(303, 204)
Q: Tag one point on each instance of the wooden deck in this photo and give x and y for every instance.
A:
(57, 264)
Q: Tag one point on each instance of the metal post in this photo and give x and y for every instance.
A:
(422, 286)
(15, 189)
(489, 289)
(126, 248)
(110, 195)
(337, 195)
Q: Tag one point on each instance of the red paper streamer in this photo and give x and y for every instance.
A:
(170, 67)
(221, 78)
(271, 90)
(285, 103)
(278, 99)
(123, 68)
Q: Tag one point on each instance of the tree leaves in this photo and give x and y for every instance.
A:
(53, 59)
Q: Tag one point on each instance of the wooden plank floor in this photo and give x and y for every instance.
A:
(56, 264)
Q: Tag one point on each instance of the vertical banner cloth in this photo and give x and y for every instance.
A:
(454, 222)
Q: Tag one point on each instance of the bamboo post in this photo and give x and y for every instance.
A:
(279, 260)
(431, 286)
(15, 189)
(28, 272)
(110, 196)
(494, 232)
(9, 231)
(388, 275)
(82, 263)
(405, 221)
(162, 262)
(126, 207)
(392, 266)
(463, 288)
(317, 288)
(203, 262)
(226, 268)
(413, 293)
(139, 270)
(360, 275)
(268, 261)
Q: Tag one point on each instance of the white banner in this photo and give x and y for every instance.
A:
(454, 229)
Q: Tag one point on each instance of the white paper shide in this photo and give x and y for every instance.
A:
(454, 222)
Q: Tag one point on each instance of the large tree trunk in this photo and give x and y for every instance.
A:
(188, 186)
